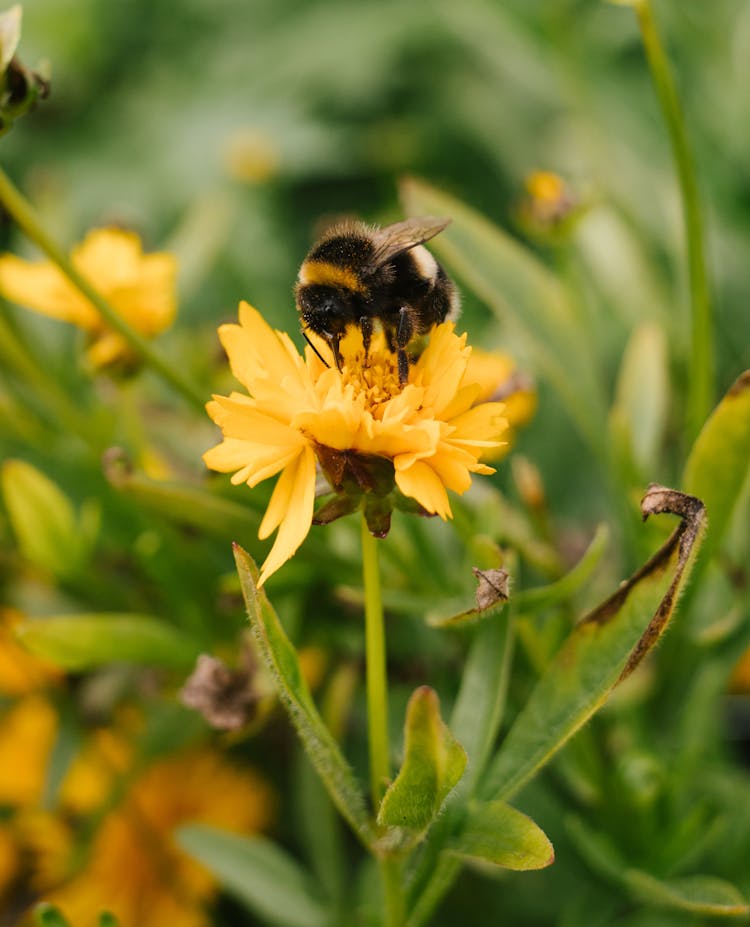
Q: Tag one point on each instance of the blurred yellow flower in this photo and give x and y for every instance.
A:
(500, 380)
(428, 431)
(27, 735)
(20, 671)
(141, 287)
(135, 869)
(251, 156)
(9, 858)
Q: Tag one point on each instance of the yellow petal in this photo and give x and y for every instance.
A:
(106, 349)
(42, 287)
(256, 351)
(242, 419)
(419, 481)
(253, 463)
(298, 496)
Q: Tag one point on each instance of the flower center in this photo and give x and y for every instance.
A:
(374, 375)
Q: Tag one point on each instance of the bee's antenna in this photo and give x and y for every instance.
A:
(320, 356)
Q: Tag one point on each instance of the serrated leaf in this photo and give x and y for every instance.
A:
(258, 873)
(281, 659)
(43, 519)
(719, 461)
(525, 295)
(79, 642)
(433, 763)
(498, 834)
(601, 650)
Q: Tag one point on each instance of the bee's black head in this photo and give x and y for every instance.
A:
(324, 309)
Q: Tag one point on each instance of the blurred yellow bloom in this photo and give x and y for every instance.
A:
(500, 380)
(27, 735)
(251, 156)
(550, 207)
(135, 869)
(20, 671)
(141, 287)
(546, 187)
(429, 431)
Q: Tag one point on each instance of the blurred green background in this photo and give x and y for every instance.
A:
(227, 131)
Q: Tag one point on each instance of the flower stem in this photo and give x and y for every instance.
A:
(377, 686)
(29, 222)
(377, 715)
(701, 380)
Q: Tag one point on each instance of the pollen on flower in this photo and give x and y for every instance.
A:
(373, 375)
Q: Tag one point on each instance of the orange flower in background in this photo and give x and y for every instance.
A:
(429, 431)
(20, 671)
(141, 287)
(136, 870)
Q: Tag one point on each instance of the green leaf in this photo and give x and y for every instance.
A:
(433, 763)
(78, 642)
(642, 394)
(602, 650)
(524, 295)
(43, 519)
(258, 873)
(108, 920)
(498, 834)
(47, 915)
(181, 502)
(281, 659)
(719, 461)
(480, 705)
(697, 894)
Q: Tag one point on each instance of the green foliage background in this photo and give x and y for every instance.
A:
(147, 99)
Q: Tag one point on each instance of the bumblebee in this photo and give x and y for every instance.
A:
(360, 275)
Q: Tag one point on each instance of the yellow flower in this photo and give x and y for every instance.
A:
(361, 424)
(20, 671)
(499, 379)
(141, 287)
(27, 735)
(136, 870)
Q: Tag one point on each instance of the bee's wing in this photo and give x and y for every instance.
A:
(400, 237)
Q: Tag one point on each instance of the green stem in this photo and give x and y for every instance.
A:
(701, 380)
(29, 222)
(377, 716)
(377, 686)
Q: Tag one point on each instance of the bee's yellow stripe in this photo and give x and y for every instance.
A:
(326, 274)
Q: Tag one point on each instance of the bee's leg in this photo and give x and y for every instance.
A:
(334, 343)
(404, 334)
(365, 326)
